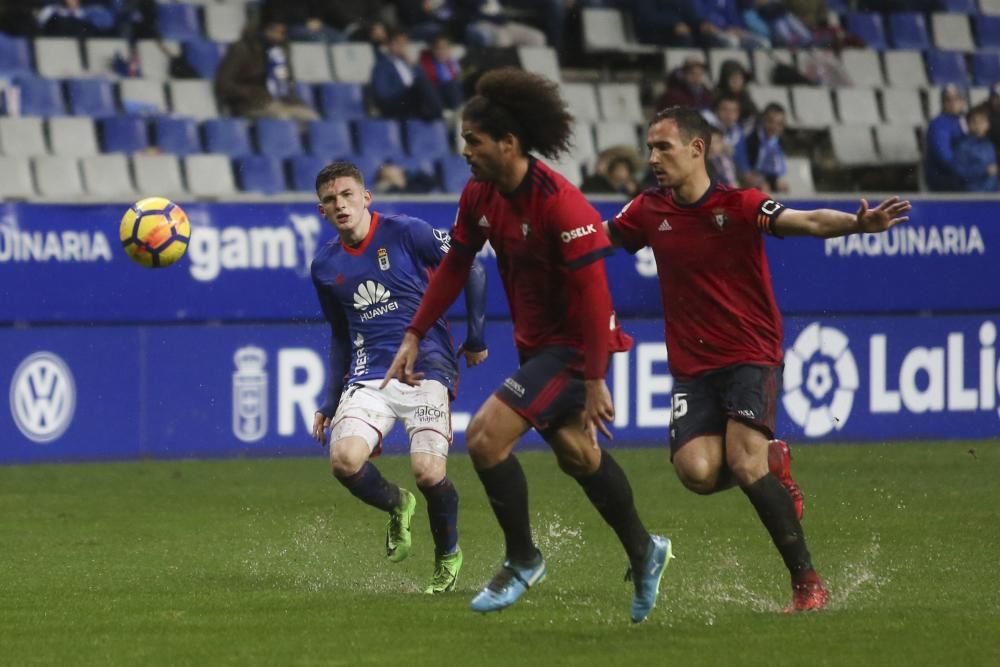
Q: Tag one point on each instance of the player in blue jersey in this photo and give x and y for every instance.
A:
(370, 281)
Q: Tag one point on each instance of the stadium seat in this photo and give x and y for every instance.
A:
(74, 137)
(605, 29)
(260, 173)
(857, 106)
(277, 137)
(209, 175)
(123, 134)
(426, 139)
(718, 56)
(310, 61)
(765, 60)
(142, 96)
(620, 102)
(227, 136)
(990, 7)
(15, 55)
(909, 31)
(583, 150)
(952, 32)
(17, 182)
(540, 60)
(799, 176)
(582, 100)
(944, 67)
(176, 135)
(978, 95)
(20, 137)
(454, 173)
(864, 67)
(764, 95)
(813, 107)
(224, 22)
(90, 97)
(58, 58)
(339, 101)
(194, 97)
(303, 170)
(58, 176)
(101, 53)
(154, 63)
(329, 139)
(959, 6)
(368, 166)
(609, 134)
(853, 145)
(419, 166)
(987, 30)
(905, 69)
(107, 176)
(867, 26)
(352, 62)
(203, 56)
(674, 57)
(986, 68)
(40, 97)
(902, 106)
(158, 173)
(570, 169)
(178, 21)
(897, 144)
(306, 92)
(379, 137)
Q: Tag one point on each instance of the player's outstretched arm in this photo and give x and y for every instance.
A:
(474, 348)
(827, 223)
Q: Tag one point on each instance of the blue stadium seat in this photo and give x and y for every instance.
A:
(368, 166)
(260, 173)
(839, 6)
(177, 135)
(330, 139)
(867, 26)
(305, 93)
(909, 31)
(123, 134)
(944, 67)
(228, 136)
(15, 55)
(986, 68)
(341, 100)
(178, 20)
(90, 97)
(277, 137)
(303, 170)
(379, 137)
(204, 56)
(987, 29)
(958, 6)
(40, 97)
(428, 139)
(422, 166)
(454, 172)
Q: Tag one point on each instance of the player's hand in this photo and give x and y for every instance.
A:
(473, 358)
(597, 409)
(320, 423)
(402, 364)
(888, 214)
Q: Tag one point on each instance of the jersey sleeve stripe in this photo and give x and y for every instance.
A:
(591, 257)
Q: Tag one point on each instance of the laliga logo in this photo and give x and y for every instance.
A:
(820, 380)
(250, 394)
(42, 397)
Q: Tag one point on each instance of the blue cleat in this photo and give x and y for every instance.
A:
(647, 579)
(508, 585)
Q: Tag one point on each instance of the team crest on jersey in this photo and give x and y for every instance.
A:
(719, 216)
(525, 228)
(383, 259)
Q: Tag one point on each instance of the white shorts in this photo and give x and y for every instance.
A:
(369, 413)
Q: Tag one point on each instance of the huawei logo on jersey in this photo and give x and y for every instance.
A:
(581, 231)
(369, 294)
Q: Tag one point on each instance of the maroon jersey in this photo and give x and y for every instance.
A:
(718, 305)
(540, 232)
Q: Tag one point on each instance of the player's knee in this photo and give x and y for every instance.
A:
(697, 475)
(577, 463)
(747, 470)
(481, 443)
(344, 461)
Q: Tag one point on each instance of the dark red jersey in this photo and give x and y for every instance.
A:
(718, 305)
(540, 232)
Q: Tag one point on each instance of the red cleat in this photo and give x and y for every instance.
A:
(808, 594)
(779, 461)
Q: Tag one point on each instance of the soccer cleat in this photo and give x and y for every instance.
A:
(779, 461)
(808, 594)
(397, 532)
(647, 579)
(446, 570)
(508, 585)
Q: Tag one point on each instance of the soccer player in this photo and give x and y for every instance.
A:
(369, 281)
(723, 328)
(550, 254)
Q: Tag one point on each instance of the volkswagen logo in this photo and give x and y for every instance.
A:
(42, 397)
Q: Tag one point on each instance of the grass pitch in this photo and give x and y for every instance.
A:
(271, 562)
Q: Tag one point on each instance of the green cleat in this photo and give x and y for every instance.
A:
(397, 533)
(446, 570)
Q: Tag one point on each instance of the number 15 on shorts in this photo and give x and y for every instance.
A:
(680, 406)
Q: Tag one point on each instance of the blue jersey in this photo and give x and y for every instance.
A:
(370, 293)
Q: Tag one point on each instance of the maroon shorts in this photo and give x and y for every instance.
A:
(547, 389)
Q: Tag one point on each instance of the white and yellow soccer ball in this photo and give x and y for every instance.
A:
(155, 232)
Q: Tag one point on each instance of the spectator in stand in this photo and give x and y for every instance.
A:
(721, 25)
(614, 173)
(424, 19)
(18, 20)
(664, 24)
(975, 157)
(400, 89)
(443, 71)
(550, 15)
(783, 26)
(943, 135)
(721, 165)
(765, 155)
(254, 78)
(66, 19)
(688, 86)
(355, 18)
(392, 179)
(733, 79)
(725, 117)
(993, 106)
(307, 20)
(487, 24)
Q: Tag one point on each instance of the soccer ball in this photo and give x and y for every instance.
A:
(155, 232)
